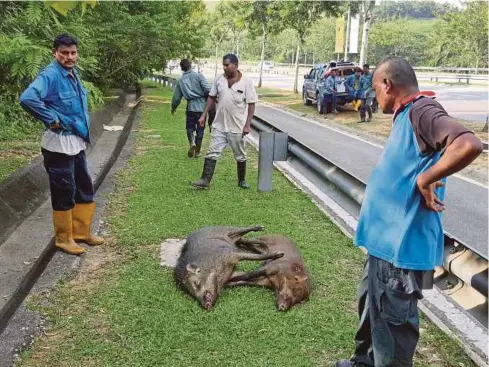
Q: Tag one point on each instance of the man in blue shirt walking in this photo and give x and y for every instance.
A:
(58, 99)
(194, 88)
(400, 220)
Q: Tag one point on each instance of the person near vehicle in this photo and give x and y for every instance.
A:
(58, 99)
(368, 94)
(400, 219)
(329, 92)
(194, 88)
(354, 89)
(237, 98)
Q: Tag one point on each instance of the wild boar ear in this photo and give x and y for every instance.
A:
(301, 278)
(192, 268)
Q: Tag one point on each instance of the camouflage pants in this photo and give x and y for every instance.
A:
(388, 331)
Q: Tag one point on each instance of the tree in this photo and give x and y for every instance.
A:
(321, 40)
(461, 37)
(264, 19)
(411, 9)
(300, 15)
(63, 7)
(219, 31)
(367, 10)
(400, 37)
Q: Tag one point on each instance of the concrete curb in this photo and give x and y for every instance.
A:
(23, 191)
(29, 248)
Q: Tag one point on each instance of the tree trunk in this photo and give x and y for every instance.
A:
(262, 58)
(237, 47)
(217, 53)
(296, 79)
(367, 17)
(347, 34)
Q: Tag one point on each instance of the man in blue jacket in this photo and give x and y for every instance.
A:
(329, 92)
(194, 88)
(58, 99)
(400, 220)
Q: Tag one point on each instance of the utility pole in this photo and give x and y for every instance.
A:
(347, 34)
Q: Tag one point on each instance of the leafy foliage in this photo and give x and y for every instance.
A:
(400, 37)
(461, 38)
(119, 43)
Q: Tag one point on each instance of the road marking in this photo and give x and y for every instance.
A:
(338, 130)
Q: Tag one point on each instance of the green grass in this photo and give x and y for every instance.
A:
(17, 153)
(126, 311)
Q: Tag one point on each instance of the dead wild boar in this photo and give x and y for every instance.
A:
(286, 276)
(208, 258)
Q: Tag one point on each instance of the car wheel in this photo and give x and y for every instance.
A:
(305, 100)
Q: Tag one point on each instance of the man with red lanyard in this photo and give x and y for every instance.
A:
(400, 220)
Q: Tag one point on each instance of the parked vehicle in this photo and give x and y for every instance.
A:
(316, 77)
(267, 65)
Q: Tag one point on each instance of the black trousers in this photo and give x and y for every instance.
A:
(192, 127)
(69, 179)
(388, 330)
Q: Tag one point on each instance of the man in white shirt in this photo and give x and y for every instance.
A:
(237, 97)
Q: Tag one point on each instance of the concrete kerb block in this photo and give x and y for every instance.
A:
(170, 251)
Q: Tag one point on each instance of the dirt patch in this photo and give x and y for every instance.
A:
(97, 261)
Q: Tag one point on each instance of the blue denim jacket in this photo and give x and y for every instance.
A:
(350, 83)
(366, 85)
(194, 88)
(55, 95)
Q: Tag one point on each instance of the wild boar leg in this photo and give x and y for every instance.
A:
(253, 274)
(248, 256)
(253, 244)
(238, 232)
(262, 282)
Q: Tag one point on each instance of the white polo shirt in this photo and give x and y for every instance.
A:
(232, 106)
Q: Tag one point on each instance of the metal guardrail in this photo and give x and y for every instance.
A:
(459, 260)
(458, 77)
(166, 81)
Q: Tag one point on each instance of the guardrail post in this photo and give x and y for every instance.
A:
(272, 147)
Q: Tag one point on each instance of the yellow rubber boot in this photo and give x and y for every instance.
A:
(355, 105)
(82, 220)
(63, 229)
(359, 104)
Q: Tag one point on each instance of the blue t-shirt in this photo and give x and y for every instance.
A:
(394, 224)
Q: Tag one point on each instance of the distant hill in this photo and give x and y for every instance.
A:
(412, 9)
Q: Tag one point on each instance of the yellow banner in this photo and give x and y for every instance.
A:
(340, 35)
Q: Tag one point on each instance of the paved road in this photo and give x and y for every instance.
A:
(466, 214)
(461, 101)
